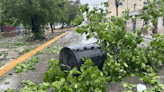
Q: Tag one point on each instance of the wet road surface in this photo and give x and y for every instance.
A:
(37, 75)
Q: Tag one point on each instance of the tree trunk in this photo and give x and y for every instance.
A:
(155, 29)
(36, 29)
(37, 32)
(51, 28)
(2, 28)
(62, 27)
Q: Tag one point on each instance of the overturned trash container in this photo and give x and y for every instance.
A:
(72, 56)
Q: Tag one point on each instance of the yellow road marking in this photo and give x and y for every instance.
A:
(2, 32)
(4, 69)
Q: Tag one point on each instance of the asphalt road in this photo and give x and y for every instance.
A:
(37, 75)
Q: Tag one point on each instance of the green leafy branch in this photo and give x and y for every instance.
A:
(28, 65)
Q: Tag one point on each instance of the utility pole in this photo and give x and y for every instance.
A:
(117, 3)
(127, 4)
(116, 7)
(134, 24)
(134, 7)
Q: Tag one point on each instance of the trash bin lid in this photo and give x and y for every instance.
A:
(72, 55)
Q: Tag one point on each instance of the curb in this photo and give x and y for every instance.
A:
(4, 69)
(6, 32)
(63, 29)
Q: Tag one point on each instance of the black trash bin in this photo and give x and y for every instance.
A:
(72, 55)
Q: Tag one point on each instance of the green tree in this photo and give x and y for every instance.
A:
(64, 16)
(71, 10)
(121, 46)
(0, 18)
(0, 12)
(31, 13)
(124, 57)
(55, 11)
(152, 12)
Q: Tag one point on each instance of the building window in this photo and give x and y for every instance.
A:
(144, 3)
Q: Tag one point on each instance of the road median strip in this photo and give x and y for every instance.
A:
(4, 69)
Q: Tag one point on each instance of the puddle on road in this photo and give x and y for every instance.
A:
(85, 41)
(76, 40)
(79, 39)
(13, 83)
(14, 79)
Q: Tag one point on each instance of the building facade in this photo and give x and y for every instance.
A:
(135, 7)
(124, 4)
(140, 22)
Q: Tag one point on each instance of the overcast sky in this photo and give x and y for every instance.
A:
(93, 3)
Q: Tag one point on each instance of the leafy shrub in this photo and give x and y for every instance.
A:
(1, 37)
(124, 58)
(28, 65)
(19, 44)
(51, 75)
(124, 55)
(88, 79)
(27, 50)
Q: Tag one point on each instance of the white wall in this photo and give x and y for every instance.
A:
(160, 22)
